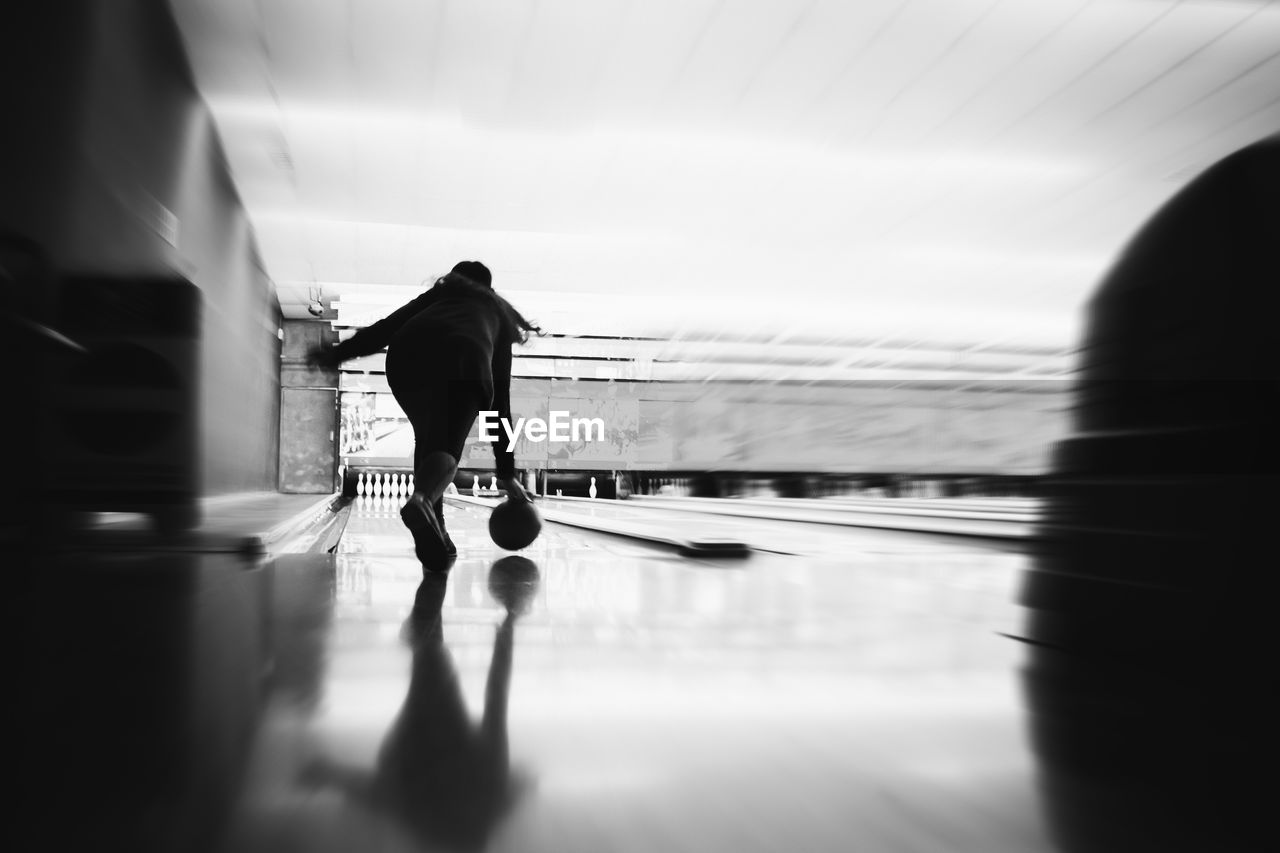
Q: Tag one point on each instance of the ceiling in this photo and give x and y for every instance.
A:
(875, 176)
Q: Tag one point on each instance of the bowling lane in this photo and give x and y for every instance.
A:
(854, 700)
(696, 519)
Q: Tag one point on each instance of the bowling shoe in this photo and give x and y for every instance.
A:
(429, 540)
(449, 547)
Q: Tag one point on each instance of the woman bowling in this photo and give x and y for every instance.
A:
(448, 358)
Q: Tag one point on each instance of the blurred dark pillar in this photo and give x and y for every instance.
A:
(42, 71)
(121, 420)
(45, 66)
(1151, 674)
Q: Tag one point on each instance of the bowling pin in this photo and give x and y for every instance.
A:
(413, 487)
(592, 491)
(404, 485)
(475, 486)
(493, 484)
(360, 485)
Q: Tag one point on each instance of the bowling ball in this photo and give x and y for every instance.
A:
(514, 525)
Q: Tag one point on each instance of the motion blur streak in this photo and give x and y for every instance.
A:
(1150, 677)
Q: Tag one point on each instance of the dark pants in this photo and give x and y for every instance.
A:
(441, 393)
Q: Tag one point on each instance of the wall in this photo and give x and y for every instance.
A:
(864, 427)
(113, 165)
(308, 412)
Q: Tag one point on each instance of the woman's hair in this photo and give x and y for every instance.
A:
(480, 284)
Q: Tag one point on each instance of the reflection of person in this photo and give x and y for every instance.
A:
(448, 357)
(446, 780)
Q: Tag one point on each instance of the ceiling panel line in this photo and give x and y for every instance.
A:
(1042, 215)
(1088, 70)
(1156, 78)
(518, 67)
(1252, 69)
(928, 204)
(1108, 174)
(772, 55)
(1125, 192)
(1004, 72)
(941, 57)
(696, 45)
(833, 84)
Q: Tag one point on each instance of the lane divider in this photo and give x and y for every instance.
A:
(688, 546)
(238, 524)
(1012, 526)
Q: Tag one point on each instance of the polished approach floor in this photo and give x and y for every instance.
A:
(596, 694)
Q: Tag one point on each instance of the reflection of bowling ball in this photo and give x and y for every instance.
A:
(514, 525)
(513, 581)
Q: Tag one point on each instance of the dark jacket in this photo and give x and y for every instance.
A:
(450, 319)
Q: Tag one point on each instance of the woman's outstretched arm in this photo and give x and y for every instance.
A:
(504, 459)
(373, 337)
